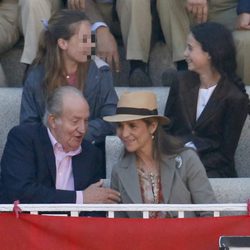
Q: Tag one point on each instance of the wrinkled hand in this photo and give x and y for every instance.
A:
(95, 193)
(76, 4)
(243, 22)
(106, 48)
(199, 9)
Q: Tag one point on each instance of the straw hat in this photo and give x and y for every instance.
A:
(135, 106)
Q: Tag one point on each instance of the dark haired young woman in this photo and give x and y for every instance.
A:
(208, 104)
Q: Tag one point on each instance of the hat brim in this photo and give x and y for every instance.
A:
(124, 118)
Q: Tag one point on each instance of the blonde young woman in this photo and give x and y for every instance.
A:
(155, 167)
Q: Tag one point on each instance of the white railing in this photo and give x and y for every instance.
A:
(75, 209)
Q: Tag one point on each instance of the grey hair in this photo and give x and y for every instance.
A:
(54, 104)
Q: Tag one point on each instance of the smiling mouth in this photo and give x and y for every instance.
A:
(128, 142)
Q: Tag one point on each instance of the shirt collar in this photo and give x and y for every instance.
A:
(57, 146)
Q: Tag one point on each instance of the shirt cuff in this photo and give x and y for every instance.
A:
(79, 197)
(190, 144)
(97, 25)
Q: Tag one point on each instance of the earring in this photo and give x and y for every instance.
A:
(152, 136)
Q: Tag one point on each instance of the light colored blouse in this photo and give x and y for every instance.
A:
(203, 97)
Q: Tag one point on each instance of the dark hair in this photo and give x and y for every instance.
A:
(163, 143)
(217, 41)
(62, 24)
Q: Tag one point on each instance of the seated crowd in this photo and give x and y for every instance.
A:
(69, 105)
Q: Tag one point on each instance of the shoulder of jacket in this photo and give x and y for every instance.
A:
(187, 79)
(100, 64)
(26, 130)
(233, 92)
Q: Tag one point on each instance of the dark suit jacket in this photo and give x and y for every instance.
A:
(29, 171)
(216, 132)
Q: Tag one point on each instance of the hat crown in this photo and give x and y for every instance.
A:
(136, 105)
(143, 100)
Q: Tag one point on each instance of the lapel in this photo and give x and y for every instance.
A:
(47, 150)
(129, 178)
(189, 94)
(77, 161)
(213, 103)
(167, 168)
(81, 167)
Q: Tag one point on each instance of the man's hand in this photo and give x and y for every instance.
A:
(106, 47)
(243, 22)
(95, 193)
(199, 10)
(76, 4)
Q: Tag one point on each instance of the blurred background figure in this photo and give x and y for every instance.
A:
(141, 24)
(2, 77)
(179, 15)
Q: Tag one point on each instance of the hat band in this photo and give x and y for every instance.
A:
(135, 111)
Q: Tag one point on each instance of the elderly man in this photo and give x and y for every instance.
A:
(52, 163)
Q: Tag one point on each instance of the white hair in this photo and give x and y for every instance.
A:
(54, 104)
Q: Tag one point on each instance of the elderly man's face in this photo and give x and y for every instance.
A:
(69, 129)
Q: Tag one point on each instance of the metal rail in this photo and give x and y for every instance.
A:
(75, 209)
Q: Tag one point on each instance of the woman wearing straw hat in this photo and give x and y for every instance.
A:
(155, 167)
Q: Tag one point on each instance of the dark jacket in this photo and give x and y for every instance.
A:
(28, 170)
(216, 132)
(243, 6)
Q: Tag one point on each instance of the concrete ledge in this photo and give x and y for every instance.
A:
(231, 190)
(234, 190)
(10, 100)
